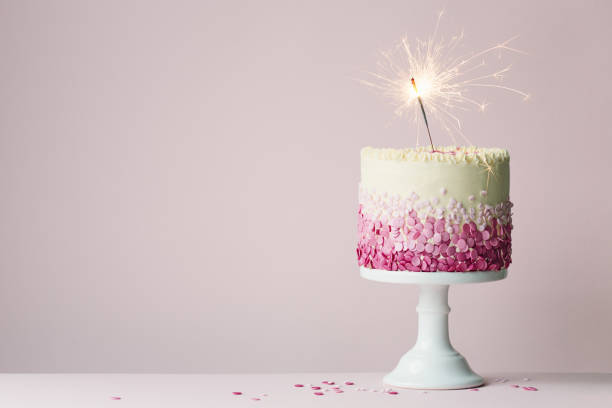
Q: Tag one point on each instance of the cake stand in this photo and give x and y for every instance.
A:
(433, 363)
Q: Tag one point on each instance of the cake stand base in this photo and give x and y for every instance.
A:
(433, 363)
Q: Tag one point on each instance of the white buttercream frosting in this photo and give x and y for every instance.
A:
(471, 175)
(444, 154)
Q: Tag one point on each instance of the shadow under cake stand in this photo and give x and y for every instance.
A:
(433, 363)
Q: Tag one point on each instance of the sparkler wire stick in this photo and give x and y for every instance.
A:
(424, 115)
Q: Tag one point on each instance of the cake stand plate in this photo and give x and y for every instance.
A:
(433, 363)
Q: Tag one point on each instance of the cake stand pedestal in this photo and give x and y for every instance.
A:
(433, 363)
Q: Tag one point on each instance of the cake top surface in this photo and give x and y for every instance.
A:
(441, 154)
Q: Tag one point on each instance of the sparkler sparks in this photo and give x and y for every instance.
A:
(445, 81)
(487, 168)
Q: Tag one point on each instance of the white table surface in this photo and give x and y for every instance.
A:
(207, 390)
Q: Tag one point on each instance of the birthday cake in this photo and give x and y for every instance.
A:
(447, 210)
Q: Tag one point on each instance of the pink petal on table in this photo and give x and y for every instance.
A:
(318, 393)
(530, 388)
(299, 385)
(315, 387)
(235, 393)
(392, 392)
(349, 383)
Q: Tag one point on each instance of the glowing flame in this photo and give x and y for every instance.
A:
(425, 87)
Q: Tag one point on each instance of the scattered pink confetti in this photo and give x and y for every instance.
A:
(328, 382)
(256, 399)
(349, 383)
(315, 387)
(339, 391)
(318, 393)
(530, 388)
(299, 385)
(116, 398)
(515, 386)
(237, 393)
(392, 392)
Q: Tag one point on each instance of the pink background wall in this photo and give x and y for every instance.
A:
(179, 186)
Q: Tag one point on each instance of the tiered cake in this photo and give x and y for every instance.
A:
(443, 211)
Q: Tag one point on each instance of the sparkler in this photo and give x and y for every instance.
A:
(423, 110)
(444, 79)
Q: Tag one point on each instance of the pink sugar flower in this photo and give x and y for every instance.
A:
(462, 245)
(397, 222)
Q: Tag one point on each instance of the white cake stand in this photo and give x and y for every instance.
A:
(433, 363)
